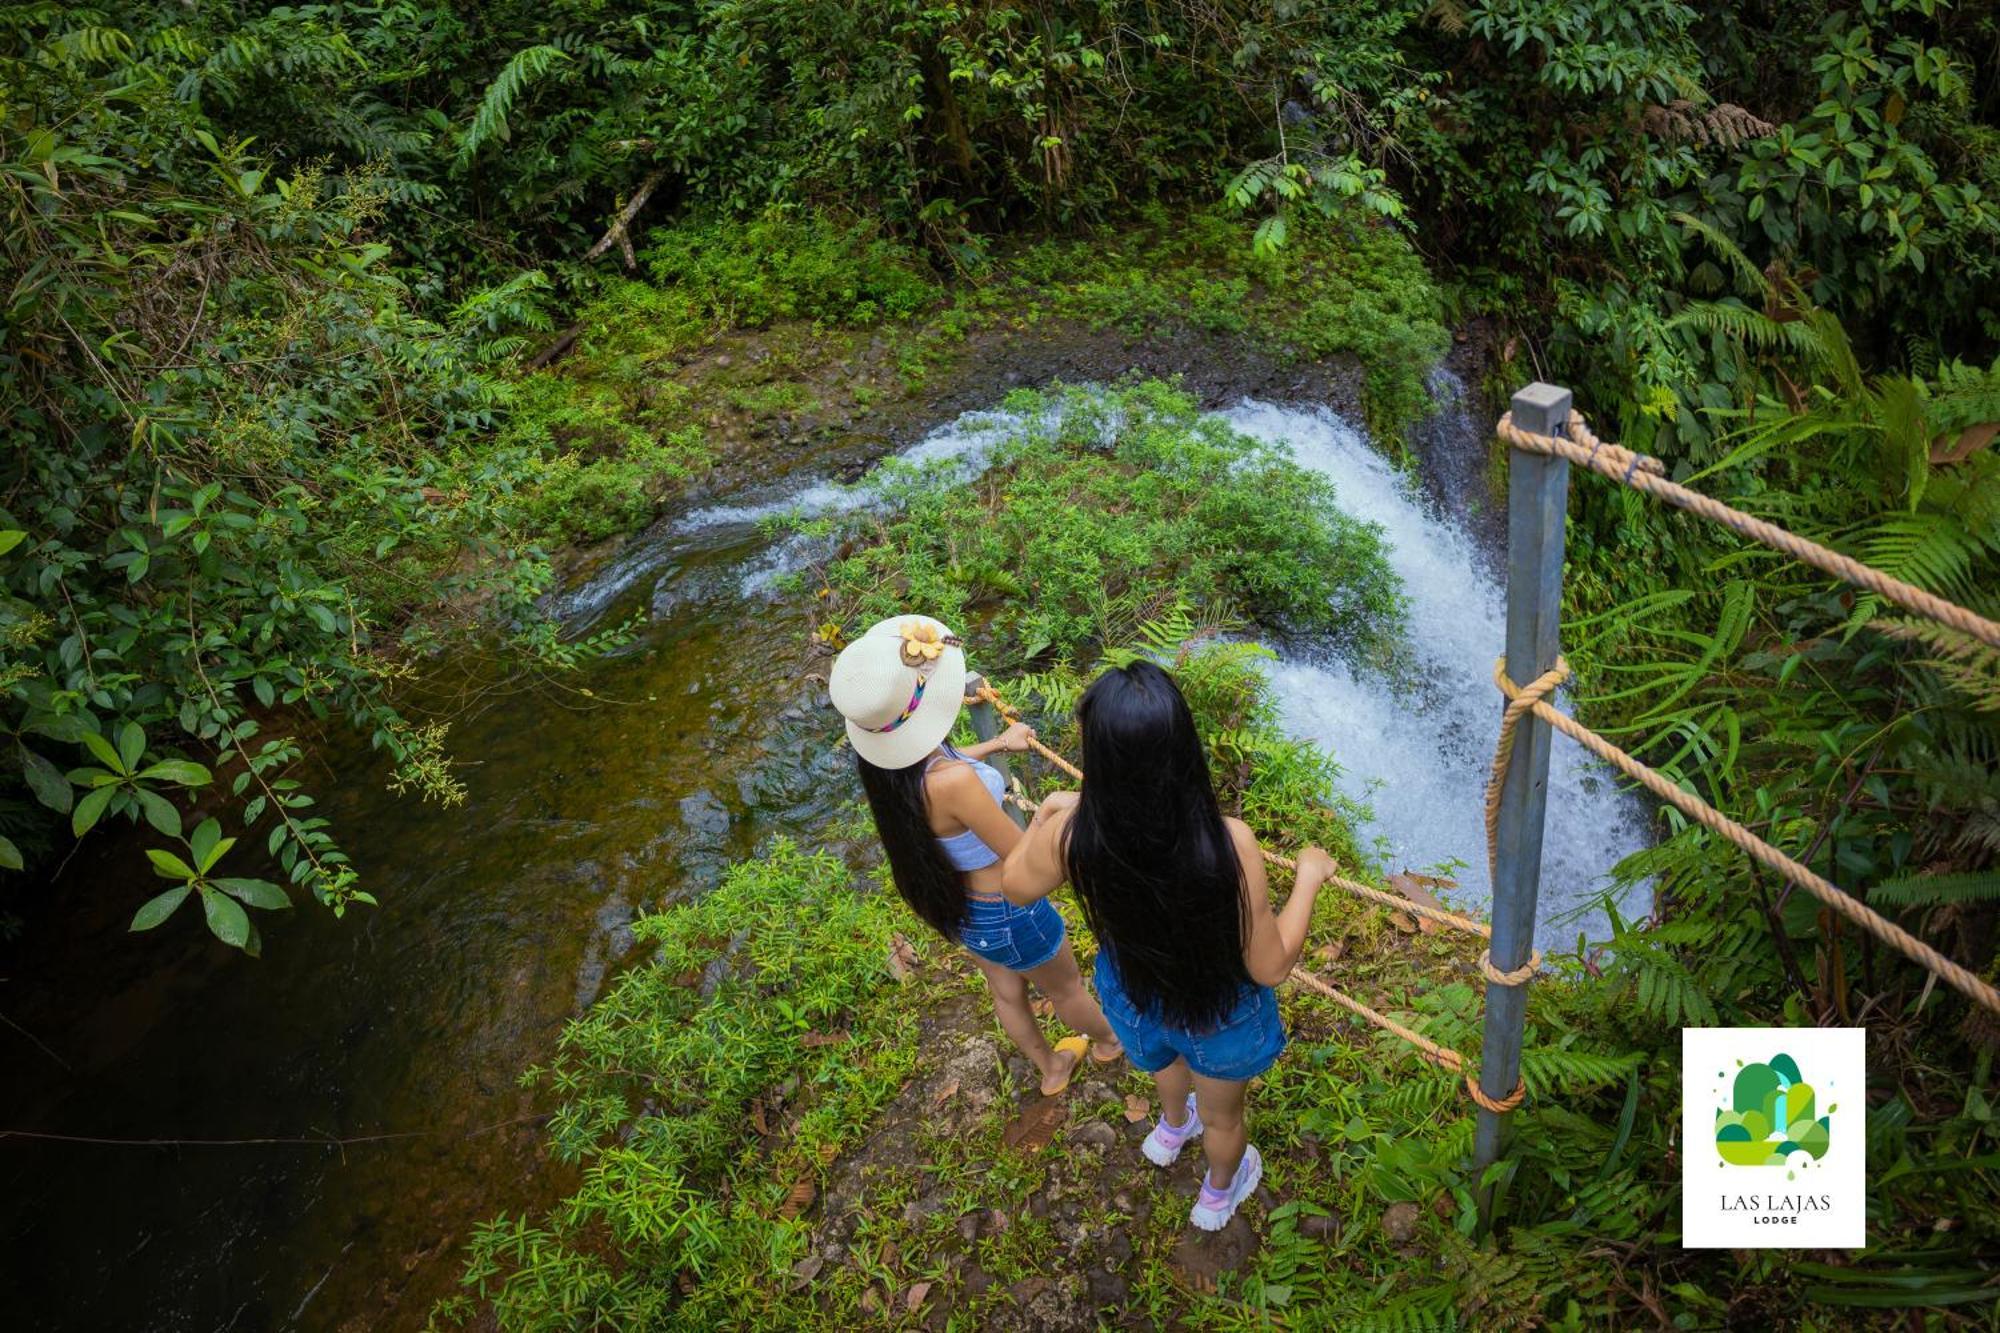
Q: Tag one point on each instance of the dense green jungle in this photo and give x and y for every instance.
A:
(445, 444)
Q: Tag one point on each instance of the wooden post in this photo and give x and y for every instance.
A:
(1537, 501)
(986, 724)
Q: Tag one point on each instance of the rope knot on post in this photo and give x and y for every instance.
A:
(1499, 1105)
(1521, 701)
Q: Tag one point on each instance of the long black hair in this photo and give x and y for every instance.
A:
(929, 883)
(1149, 854)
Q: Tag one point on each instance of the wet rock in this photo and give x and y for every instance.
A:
(1122, 1202)
(1320, 1228)
(704, 813)
(1203, 1255)
(1117, 1249)
(971, 1224)
(974, 1281)
(1108, 1289)
(928, 1205)
(1094, 1091)
(1096, 1134)
(1399, 1223)
(1027, 1289)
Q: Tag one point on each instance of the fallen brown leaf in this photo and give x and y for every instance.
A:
(902, 959)
(1970, 441)
(916, 1295)
(1403, 921)
(1331, 953)
(1417, 888)
(827, 1152)
(798, 1199)
(806, 1269)
(812, 1041)
(1043, 1006)
(944, 1094)
(758, 1121)
(1035, 1128)
(1137, 1108)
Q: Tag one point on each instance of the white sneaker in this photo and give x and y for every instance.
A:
(1214, 1207)
(1163, 1146)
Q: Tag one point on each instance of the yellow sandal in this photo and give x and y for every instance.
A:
(1077, 1047)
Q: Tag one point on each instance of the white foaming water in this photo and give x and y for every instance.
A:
(1419, 752)
(950, 455)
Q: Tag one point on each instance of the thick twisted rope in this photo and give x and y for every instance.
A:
(1442, 1056)
(1701, 812)
(1503, 753)
(1644, 475)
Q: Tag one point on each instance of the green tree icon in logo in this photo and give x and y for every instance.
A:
(1772, 1117)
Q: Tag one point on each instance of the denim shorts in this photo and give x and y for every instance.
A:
(1244, 1045)
(1019, 939)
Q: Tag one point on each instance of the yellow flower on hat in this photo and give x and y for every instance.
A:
(921, 643)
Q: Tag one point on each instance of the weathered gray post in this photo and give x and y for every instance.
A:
(1537, 500)
(986, 724)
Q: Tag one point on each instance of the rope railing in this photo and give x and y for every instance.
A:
(1644, 474)
(1442, 1056)
(1830, 895)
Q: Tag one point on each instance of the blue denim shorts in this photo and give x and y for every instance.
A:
(1019, 939)
(1244, 1045)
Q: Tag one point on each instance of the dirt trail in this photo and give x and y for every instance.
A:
(976, 1196)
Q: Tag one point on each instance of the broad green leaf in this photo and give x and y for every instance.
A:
(184, 771)
(10, 538)
(202, 844)
(89, 810)
(168, 866)
(160, 812)
(256, 892)
(10, 855)
(216, 853)
(51, 788)
(105, 752)
(159, 909)
(226, 919)
(131, 746)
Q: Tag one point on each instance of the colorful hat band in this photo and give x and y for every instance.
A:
(909, 710)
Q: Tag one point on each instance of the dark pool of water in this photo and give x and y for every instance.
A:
(499, 920)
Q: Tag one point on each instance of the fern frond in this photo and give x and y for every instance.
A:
(489, 122)
(1750, 279)
(1967, 666)
(1937, 890)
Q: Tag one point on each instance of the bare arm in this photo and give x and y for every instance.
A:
(957, 793)
(1276, 939)
(1014, 740)
(1035, 866)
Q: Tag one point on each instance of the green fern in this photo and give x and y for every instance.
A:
(1937, 890)
(489, 122)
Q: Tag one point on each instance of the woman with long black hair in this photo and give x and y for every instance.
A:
(1188, 946)
(937, 808)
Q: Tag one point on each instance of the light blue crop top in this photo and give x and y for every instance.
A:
(964, 850)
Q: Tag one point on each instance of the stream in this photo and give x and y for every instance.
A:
(590, 799)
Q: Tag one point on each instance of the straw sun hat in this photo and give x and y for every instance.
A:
(900, 686)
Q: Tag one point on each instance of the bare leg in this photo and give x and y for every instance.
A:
(1075, 1005)
(1010, 1004)
(1173, 1084)
(1223, 1128)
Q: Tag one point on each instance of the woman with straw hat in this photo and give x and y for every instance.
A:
(937, 808)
